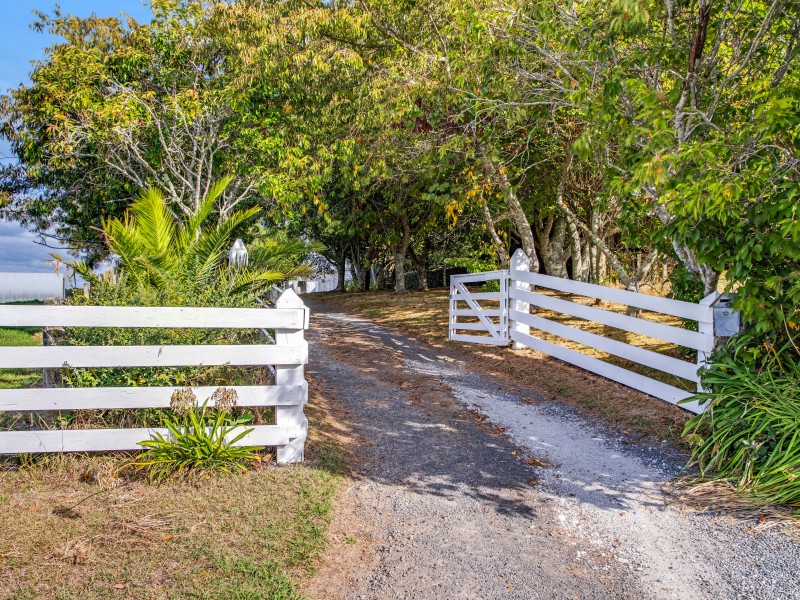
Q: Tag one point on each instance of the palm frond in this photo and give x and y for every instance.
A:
(191, 227)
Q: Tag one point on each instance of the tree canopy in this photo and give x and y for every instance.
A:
(611, 141)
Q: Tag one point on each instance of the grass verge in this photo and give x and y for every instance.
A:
(70, 528)
(19, 336)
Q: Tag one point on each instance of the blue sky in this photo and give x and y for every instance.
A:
(19, 46)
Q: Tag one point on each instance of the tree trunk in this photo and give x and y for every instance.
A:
(400, 250)
(381, 279)
(597, 269)
(367, 278)
(399, 269)
(341, 272)
(553, 234)
(631, 282)
(354, 271)
(422, 275)
(552, 246)
(701, 272)
(420, 260)
(580, 254)
(515, 213)
(498, 243)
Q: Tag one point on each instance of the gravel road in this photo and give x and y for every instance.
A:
(449, 504)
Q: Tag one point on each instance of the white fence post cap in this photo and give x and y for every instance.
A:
(290, 299)
(710, 299)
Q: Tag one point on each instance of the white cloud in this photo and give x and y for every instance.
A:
(19, 252)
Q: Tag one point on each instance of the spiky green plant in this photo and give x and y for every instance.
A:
(749, 433)
(201, 439)
(158, 249)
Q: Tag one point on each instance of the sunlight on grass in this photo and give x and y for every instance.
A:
(19, 336)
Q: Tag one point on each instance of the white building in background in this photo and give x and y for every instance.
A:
(22, 287)
(324, 280)
(321, 282)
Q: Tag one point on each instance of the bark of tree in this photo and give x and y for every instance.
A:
(515, 212)
(361, 261)
(630, 281)
(551, 234)
(420, 260)
(400, 250)
(502, 255)
(380, 281)
(702, 272)
(581, 263)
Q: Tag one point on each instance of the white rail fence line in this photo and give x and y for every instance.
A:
(288, 354)
(517, 290)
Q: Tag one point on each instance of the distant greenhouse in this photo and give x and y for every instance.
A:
(20, 287)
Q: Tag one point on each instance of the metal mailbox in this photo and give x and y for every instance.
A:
(727, 321)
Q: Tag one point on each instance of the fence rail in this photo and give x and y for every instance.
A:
(288, 354)
(517, 325)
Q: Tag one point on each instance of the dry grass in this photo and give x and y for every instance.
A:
(424, 315)
(722, 498)
(71, 527)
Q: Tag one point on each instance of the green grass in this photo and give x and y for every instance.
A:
(19, 336)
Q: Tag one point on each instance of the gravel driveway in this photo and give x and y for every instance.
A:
(449, 503)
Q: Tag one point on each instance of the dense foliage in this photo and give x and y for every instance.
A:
(642, 142)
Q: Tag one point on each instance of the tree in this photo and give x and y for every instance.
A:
(176, 103)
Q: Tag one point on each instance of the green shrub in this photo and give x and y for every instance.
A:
(126, 292)
(750, 431)
(199, 439)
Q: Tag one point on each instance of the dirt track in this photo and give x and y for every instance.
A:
(446, 502)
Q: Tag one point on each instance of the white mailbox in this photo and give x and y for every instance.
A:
(727, 322)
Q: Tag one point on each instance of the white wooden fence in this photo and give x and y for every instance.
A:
(288, 353)
(516, 324)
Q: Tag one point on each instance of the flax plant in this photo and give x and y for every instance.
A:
(198, 439)
(750, 432)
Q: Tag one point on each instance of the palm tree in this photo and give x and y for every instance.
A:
(158, 250)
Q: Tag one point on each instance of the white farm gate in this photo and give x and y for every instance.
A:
(513, 321)
(492, 320)
(288, 352)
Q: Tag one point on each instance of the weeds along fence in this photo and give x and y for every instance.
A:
(287, 352)
(511, 308)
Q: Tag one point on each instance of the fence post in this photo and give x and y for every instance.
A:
(519, 262)
(706, 327)
(452, 318)
(291, 416)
